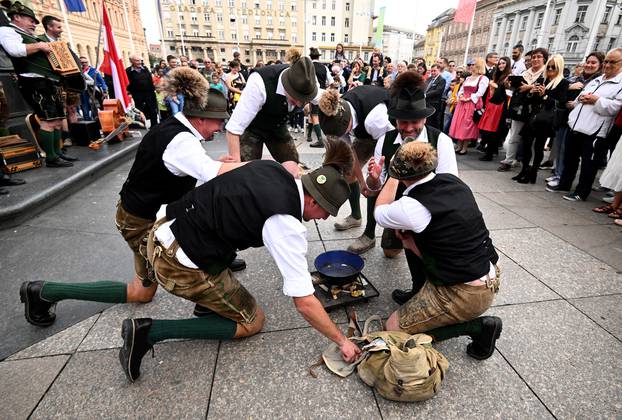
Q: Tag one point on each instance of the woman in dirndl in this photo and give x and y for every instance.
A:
(490, 126)
(463, 127)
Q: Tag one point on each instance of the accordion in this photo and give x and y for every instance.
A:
(61, 59)
(17, 154)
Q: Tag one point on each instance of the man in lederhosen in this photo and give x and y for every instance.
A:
(38, 83)
(169, 161)
(361, 112)
(260, 117)
(191, 244)
(409, 110)
(321, 72)
(438, 219)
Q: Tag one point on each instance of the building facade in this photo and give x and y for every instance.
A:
(434, 42)
(419, 49)
(398, 43)
(258, 29)
(346, 22)
(572, 28)
(84, 27)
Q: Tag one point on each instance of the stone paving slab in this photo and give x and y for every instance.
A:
(472, 389)
(65, 342)
(24, 382)
(174, 384)
(484, 181)
(499, 217)
(604, 310)
(567, 270)
(566, 359)
(551, 216)
(266, 376)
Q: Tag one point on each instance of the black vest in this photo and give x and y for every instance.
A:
(363, 100)
(228, 212)
(274, 113)
(150, 184)
(455, 247)
(320, 72)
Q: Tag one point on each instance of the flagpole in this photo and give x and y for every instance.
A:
(468, 44)
(63, 9)
(99, 34)
(129, 29)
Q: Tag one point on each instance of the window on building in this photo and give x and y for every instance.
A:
(218, 3)
(332, 37)
(573, 42)
(323, 36)
(550, 46)
(581, 12)
(257, 34)
(596, 43)
(281, 5)
(294, 38)
(256, 5)
(314, 5)
(269, 20)
(324, 5)
(231, 3)
(246, 38)
(294, 23)
(219, 17)
(222, 50)
(323, 20)
(195, 32)
(497, 28)
(181, 17)
(313, 36)
(221, 35)
(257, 21)
(313, 20)
(534, 44)
(293, 7)
(244, 7)
(612, 42)
(206, 17)
(270, 35)
(510, 26)
(558, 15)
(539, 20)
(171, 34)
(194, 18)
(619, 21)
(269, 4)
(346, 22)
(366, 56)
(523, 23)
(208, 33)
(281, 21)
(334, 5)
(234, 36)
(346, 38)
(607, 14)
(244, 19)
(332, 21)
(347, 7)
(282, 35)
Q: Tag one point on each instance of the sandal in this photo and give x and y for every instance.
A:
(616, 214)
(604, 209)
(618, 222)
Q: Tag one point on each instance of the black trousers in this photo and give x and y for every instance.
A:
(415, 265)
(580, 148)
(537, 141)
(148, 104)
(436, 120)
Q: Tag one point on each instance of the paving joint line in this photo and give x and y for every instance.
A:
(526, 383)
(211, 389)
(64, 229)
(62, 369)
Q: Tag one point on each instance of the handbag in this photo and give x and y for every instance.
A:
(477, 115)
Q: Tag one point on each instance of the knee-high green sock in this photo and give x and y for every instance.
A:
(99, 291)
(46, 139)
(470, 328)
(318, 131)
(354, 200)
(370, 227)
(57, 142)
(212, 326)
(309, 131)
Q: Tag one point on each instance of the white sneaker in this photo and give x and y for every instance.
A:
(553, 183)
(552, 178)
(608, 200)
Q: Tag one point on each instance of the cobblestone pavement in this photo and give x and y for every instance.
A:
(558, 356)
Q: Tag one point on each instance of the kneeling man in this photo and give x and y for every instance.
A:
(438, 219)
(195, 239)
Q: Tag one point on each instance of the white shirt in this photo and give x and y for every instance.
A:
(14, 46)
(518, 67)
(376, 123)
(283, 235)
(251, 101)
(444, 149)
(185, 155)
(482, 85)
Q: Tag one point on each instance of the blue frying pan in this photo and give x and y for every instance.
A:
(339, 267)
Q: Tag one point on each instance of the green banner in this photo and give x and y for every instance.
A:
(379, 28)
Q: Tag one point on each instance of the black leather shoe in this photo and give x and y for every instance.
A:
(237, 265)
(38, 311)
(58, 163)
(68, 158)
(483, 345)
(200, 310)
(135, 345)
(402, 296)
(485, 158)
(7, 181)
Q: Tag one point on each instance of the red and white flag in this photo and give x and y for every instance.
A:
(464, 12)
(113, 64)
